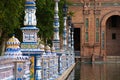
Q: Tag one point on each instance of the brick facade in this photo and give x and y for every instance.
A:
(96, 12)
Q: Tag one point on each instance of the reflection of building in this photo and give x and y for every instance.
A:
(98, 22)
(99, 71)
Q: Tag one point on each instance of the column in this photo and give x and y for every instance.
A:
(64, 56)
(38, 68)
(69, 41)
(72, 43)
(55, 63)
(56, 40)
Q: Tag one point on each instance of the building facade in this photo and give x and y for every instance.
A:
(97, 28)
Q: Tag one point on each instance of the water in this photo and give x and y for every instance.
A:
(85, 71)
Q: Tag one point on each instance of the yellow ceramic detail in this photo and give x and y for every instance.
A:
(32, 68)
(13, 42)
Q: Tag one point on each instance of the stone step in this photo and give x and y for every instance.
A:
(113, 58)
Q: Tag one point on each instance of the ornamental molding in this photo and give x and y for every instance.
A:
(97, 12)
(102, 4)
(86, 12)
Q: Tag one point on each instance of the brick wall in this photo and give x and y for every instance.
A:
(103, 12)
(113, 45)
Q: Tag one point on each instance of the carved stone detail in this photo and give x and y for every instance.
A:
(86, 12)
(97, 12)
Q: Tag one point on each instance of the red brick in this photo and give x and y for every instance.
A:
(105, 12)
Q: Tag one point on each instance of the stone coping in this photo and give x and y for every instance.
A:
(4, 60)
(66, 73)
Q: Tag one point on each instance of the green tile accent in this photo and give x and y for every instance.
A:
(97, 36)
(86, 37)
(86, 23)
(29, 46)
(97, 23)
(103, 35)
(110, 4)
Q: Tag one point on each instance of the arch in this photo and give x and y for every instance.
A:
(106, 16)
(103, 27)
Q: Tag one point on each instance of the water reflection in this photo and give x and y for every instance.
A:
(84, 71)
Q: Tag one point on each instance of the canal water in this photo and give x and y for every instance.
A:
(98, 71)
